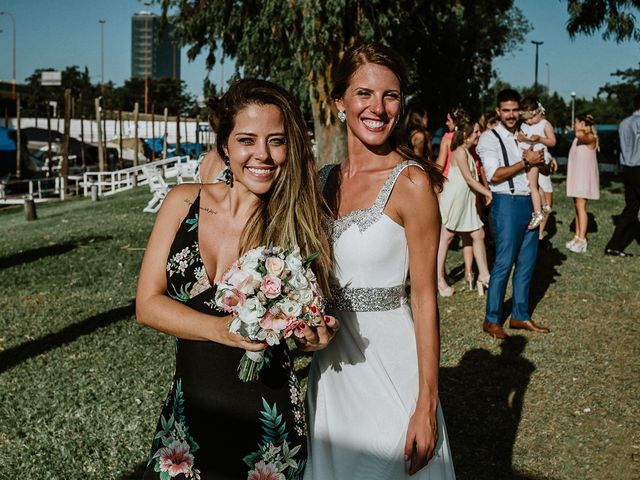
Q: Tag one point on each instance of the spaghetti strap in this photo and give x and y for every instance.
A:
(387, 188)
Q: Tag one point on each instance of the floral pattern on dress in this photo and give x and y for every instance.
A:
(275, 457)
(179, 262)
(173, 445)
(297, 404)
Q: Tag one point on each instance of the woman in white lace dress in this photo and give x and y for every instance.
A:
(373, 394)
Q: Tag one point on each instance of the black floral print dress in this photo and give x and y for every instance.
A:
(214, 426)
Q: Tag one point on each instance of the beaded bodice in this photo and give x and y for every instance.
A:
(371, 257)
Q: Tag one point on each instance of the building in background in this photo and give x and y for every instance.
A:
(151, 55)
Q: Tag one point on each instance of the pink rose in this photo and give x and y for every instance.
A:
(271, 286)
(274, 266)
(233, 299)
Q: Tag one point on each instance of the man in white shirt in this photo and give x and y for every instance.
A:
(505, 167)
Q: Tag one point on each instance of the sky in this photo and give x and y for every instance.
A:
(62, 33)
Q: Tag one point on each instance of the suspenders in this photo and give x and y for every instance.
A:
(505, 159)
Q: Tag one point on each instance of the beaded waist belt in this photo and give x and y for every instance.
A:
(366, 299)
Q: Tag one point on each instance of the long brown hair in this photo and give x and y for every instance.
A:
(290, 214)
(415, 121)
(464, 128)
(376, 53)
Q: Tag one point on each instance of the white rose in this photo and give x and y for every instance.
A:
(305, 296)
(251, 311)
(290, 308)
(293, 260)
(249, 260)
(298, 280)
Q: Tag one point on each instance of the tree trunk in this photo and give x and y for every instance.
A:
(330, 135)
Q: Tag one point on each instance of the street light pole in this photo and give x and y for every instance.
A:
(102, 22)
(13, 80)
(573, 109)
(537, 44)
(548, 78)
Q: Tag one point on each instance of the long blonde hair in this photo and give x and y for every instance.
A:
(291, 212)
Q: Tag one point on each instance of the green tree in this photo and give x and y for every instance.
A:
(455, 47)
(618, 17)
(79, 82)
(298, 44)
(162, 93)
(621, 94)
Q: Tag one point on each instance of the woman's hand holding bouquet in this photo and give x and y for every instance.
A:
(272, 293)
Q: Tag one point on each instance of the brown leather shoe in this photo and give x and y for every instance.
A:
(527, 325)
(494, 330)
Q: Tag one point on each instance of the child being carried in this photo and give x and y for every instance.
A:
(536, 132)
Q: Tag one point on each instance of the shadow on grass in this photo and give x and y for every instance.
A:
(50, 250)
(609, 179)
(592, 225)
(16, 355)
(482, 399)
(544, 274)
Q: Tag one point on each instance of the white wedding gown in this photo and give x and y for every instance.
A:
(362, 388)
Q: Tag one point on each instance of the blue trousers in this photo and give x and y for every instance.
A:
(515, 245)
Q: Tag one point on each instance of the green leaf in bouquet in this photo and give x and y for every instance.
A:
(261, 269)
(310, 259)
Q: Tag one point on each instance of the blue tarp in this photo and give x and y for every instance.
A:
(192, 149)
(7, 144)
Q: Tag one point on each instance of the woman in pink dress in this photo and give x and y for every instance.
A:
(583, 179)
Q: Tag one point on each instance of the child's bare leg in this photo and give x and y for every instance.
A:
(532, 176)
(547, 198)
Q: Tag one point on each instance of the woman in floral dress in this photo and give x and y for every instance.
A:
(214, 426)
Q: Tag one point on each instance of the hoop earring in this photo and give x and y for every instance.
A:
(227, 173)
(342, 116)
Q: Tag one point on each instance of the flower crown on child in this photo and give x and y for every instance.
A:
(538, 111)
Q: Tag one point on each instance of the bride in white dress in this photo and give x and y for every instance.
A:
(373, 392)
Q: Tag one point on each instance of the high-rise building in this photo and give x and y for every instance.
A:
(152, 56)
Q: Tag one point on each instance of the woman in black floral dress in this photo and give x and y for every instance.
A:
(214, 426)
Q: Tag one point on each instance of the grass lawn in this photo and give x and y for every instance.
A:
(81, 384)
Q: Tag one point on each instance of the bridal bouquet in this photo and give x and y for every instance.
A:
(272, 293)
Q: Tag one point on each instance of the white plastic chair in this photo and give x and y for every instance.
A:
(158, 187)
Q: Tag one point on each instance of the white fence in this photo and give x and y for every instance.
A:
(37, 189)
(183, 169)
(109, 183)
